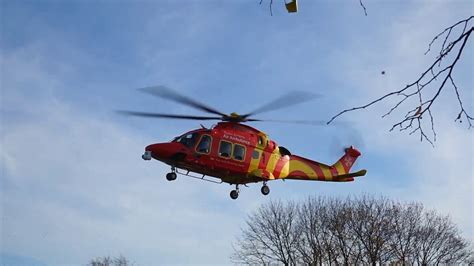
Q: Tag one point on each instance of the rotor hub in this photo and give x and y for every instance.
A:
(234, 117)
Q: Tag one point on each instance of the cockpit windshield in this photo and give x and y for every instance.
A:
(189, 140)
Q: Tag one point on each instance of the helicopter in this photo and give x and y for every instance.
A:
(238, 154)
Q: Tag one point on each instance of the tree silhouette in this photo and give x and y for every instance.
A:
(108, 261)
(270, 236)
(360, 230)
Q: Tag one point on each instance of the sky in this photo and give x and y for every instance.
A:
(73, 185)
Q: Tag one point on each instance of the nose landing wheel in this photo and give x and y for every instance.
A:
(265, 189)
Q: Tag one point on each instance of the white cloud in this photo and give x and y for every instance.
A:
(73, 180)
(83, 183)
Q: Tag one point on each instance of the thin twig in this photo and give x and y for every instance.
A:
(363, 6)
(271, 11)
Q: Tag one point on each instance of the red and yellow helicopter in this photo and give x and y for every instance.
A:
(238, 154)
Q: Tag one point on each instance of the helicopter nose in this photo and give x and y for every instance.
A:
(155, 150)
(151, 147)
(159, 150)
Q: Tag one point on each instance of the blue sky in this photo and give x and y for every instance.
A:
(73, 185)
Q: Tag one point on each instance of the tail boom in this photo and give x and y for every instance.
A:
(302, 168)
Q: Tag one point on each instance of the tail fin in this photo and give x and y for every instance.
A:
(344, 164)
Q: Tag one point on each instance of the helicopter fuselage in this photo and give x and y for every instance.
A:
(239, 154)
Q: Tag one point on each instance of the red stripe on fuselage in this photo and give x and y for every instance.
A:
(279, 166)
(300, 174)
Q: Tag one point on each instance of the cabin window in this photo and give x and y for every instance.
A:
(225, 149)
(255, 154)
(239, 152)
(204, 145)
(189, 140)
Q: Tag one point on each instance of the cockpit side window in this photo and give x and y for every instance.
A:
(189, 140)
(204, 145)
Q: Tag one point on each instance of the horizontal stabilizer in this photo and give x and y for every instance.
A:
(350, 176)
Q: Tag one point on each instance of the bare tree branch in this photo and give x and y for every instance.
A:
(270, 236)
(270, 6)
(428, 81)
(363, 6)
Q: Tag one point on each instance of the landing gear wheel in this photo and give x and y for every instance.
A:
(171, 176)
(234, 194)
(265, 190)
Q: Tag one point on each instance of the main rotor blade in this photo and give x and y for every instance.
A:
(169, 116)
(167, 93)
(304, 122)
(286, 100)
